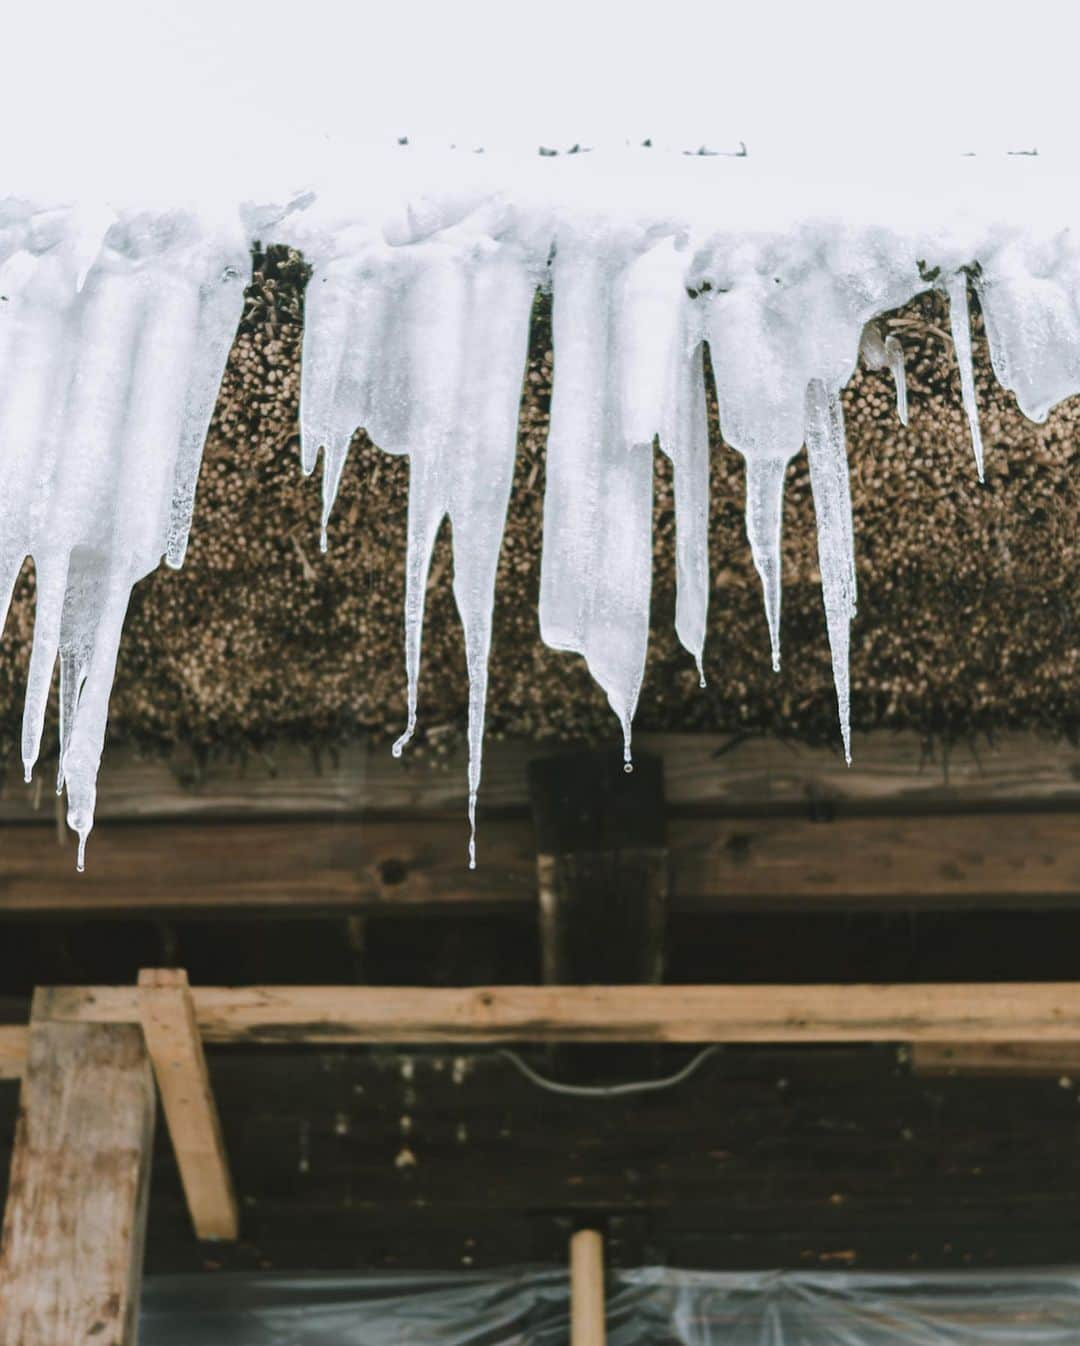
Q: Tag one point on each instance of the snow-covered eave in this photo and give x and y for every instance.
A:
(113, 340)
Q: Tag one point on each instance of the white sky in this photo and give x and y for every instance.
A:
(152, 85)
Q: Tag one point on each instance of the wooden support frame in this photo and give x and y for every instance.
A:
(119, 1030)
(74, 1227)
(948, 1012)
(175, 1046)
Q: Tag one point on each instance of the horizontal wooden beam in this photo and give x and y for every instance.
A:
(1053, 1060)
(889, 771)
(1045, 1012)
(944, 862)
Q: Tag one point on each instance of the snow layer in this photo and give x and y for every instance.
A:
(113, 340)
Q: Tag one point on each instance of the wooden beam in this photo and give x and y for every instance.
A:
(1054, 1060)
(14, 1044)
(587, 1308)
(1047, 1012)
(292, 868)
(175, 1045)
(1005, 861)
(700, 770)
(76, 1211)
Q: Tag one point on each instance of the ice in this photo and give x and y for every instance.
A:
(110, 360)
(827, 453)
(423, 343)
(960, 326)
(881, 352)
(115, 323)
(627, 372)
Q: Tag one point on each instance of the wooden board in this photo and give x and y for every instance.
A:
(889, 771)
(1012, 860)
(175, 1047)
(76, 1211)
(920, 1012)
(14, 1045)
(1059, 1061)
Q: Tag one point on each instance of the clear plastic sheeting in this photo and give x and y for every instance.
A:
(646, 1307)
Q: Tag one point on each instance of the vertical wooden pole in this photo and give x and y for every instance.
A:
(587, 1289)
(175, 1045)
(75, 1223)
(602, 867)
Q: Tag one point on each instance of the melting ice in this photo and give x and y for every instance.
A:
(112, 346)
(108, 375)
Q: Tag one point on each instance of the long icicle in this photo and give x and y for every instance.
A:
(827, 452)
(960, 326)
(764, 526)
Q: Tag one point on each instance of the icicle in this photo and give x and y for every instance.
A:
(424, 345)
(960, 326)
(827, 453)
(596, 568)
(894, 353)
(764, 524)
(106, 391)
(880, 352)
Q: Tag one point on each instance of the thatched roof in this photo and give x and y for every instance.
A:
(969, 595)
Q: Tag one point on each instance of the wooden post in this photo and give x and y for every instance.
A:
(175, 1044)
(602, 867)
(587, 1288)
(80, 1174)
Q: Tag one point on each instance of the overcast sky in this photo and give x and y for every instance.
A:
(223, 81)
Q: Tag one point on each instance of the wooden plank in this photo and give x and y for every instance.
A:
(77, 1200)
(587, 1307)
(175, 1046)
(292, 868)
(979, 860)
(700, 770)
(918, 1012)
(14, 1044)
(1054, 1060)
(1004, 861)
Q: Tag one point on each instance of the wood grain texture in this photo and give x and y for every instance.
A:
(1007, 860)
(1046, 1012)
(1032, 1060)
(175, 1046)
(14, 1044)
(889, 771)
(77, 1199)
(587, 1300)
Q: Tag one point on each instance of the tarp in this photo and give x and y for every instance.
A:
(651, 1306)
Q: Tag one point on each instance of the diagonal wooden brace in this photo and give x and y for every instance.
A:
(174, 1043)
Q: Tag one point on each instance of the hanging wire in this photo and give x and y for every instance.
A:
(608, 1090)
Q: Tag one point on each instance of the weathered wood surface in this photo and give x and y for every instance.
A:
(14, 1045)
(1009, 860)
(77, 1201)
(761, 774)
(602, 867)
(175, 1046)
(1047, 1012)
(814, 1157)
(1035, 1060)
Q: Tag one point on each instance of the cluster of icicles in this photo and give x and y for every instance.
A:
(113, 343)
